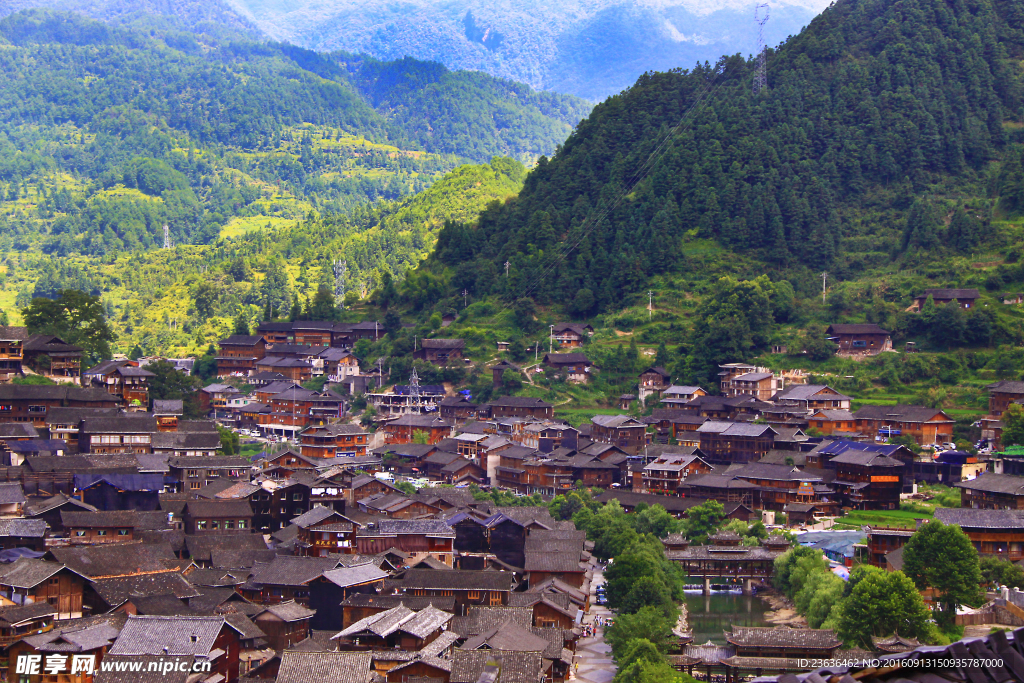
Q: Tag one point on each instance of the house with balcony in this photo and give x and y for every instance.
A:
(123, 378)
(811, 397)
(117, 434)
(741, 379)
(54, 358)
(575, 366)
(571, 335)
(517, 406)
(668, 471)
(29, 581)
(440, 351)
(238, 355)
(991, 491)
(735, 442)
(925, 425)
(12, 351)
(420, 538)
(653, 381)
(333, 440)
(965, 298)
(217, 516)
(621, 431)
(404, 429)
(859, 339)
(993, 533)
(323, 531)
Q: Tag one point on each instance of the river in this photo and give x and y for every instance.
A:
(709, 615)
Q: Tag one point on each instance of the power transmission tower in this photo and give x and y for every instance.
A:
(167, 237)
(761, 70)
(340, 270)
(414, 391)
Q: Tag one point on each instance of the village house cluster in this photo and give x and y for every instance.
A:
(129, 539)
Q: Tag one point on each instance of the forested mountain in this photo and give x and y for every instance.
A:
(880, 120)
(107, 133)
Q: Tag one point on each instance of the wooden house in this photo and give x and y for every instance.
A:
(621, 431)
(575, 366)
(119, 434)
(285, 623)
(735, 442)
(993, 533)
(926, 425)
(859, 339)
(122, 378)
(867, 480)
(440, 351)
(811, 397)
(469, 588)
(216, 516)
(834, 423)
(323, 531)
(18, 620)
(519, 406)
(653, 380)
(295, 369)
(571, 335)
(31, 403)
(52, 357)
(12, 351)
(458, 409)
(668, 471)
(238, 355)
(167, 413)
(29, 581)
(417, 537)
(758, 384)
(555, 554)
(787, 643)
(404, 428)
(89, 640)
(213, 639)
(965, 298)
(397, 628)
(991, 491)
(1002, 394)
(285, 578)
(333, 440)
(109, 526)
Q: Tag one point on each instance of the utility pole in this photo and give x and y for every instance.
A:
(551, 337)
(535, 356)
(650, 304)
(465, 298)
(761, 70)
(507, 264)
(824, 277)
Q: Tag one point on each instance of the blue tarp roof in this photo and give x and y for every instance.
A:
(125, 482)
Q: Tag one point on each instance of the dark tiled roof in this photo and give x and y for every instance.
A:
(287, 570)
(231, 507)
(317, 667)
(514, 667)
(994, 483)
(855, 328)
(116, 590)
(156, 635)
(968, 518)
(519, 402)
(121, 424)
(457, 580)
(771, 636)
(940, 293)
(27, 573)
(114, 559)
(443, 343)
(566, 358)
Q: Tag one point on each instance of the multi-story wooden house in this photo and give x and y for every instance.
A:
(191, 473)
(811, 397)
(419, 538)
(29, 581)
(404, 429)
(284, 624)
(864, 339)
(622, 431)
(1002, 394)
(575, 366)
(118, 434)
(867, 480)
(991, 491)
(217, 516)
(333, 440)
(735, 442)
(994, 533)
(109, 526)
(761, 385)
(440, 351)
(469, 588)
(12, 351)
(925, 425)
(239, 354)
(30, 403)
(52, 357)
(834, 423)
(653, 381)
(295, 369)
(323, 531)
(123, 378)
(571, 335)
(518, 406)
(666, 472)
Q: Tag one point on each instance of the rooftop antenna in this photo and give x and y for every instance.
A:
(167, 237)
(761, 69)
(340, 270)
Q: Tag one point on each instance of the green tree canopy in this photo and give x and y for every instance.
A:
(74, 316)
(941, 557)
(882, 604)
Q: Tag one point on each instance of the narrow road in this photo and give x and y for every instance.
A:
(593, 660)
